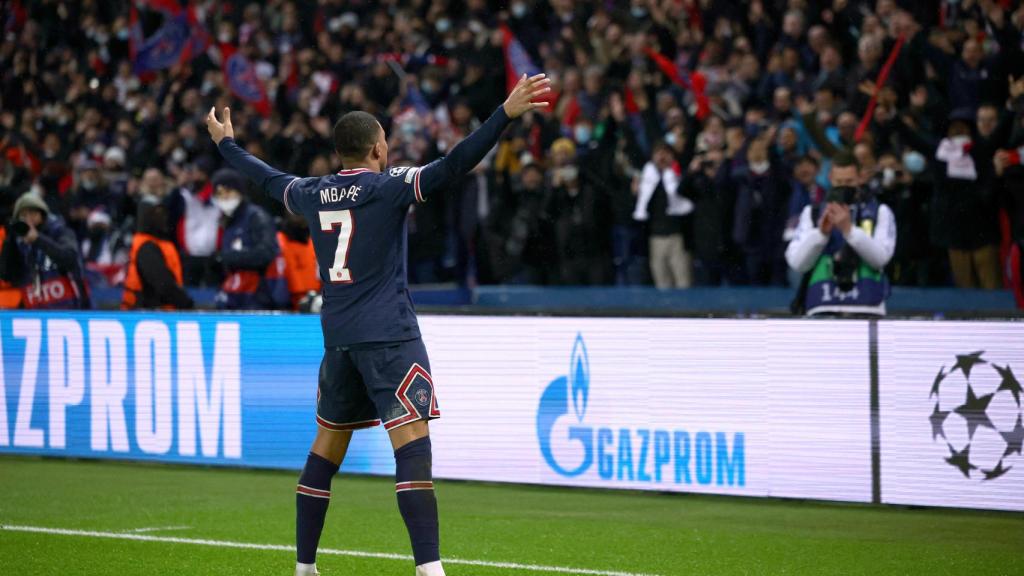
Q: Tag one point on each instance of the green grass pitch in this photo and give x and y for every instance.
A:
(577, 530)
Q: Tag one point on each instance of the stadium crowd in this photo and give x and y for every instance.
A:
(684, 139)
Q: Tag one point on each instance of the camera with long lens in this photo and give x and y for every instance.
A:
(847, 261)
(19, 228)
(842, 195)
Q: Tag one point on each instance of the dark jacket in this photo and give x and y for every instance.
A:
(53, 255)
(159, 287)
(248, 246)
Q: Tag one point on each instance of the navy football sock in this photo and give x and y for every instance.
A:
(312, 496)
(415, 488)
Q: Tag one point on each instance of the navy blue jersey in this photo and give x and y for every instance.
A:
(357, 220)
(357, 223)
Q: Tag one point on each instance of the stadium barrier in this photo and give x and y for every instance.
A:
(902, 412)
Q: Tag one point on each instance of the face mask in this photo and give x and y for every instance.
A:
(444, 25)
(759, 168)
(888, 177)
(582, 134)
(224, 37)
(519, 9)
(227, 205)
(914, 162)
(638, 12)
(671, 139)
(89, 184)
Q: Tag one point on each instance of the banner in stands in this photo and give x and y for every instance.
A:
(950, 399)
(760, 408)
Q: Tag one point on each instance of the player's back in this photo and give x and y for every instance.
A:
(357, 224)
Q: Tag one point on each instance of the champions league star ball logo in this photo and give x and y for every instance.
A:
(978, 415)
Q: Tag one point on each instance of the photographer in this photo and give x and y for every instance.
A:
(40, 255)
(843, 247)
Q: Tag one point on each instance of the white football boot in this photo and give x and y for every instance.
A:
(306, 570)
(430, 569)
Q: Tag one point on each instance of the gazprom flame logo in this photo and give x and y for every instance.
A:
(630, 452)
(555, 402)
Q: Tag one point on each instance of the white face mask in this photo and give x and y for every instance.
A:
(227, 205)
(759, 168)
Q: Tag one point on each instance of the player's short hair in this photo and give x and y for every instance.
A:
(355, 134)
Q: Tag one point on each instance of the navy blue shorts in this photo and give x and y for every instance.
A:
(361, 387)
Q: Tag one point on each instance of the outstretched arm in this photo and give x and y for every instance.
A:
(269, 179)
(468, 153)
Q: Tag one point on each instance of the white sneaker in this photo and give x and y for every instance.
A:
(306, 570)
(430, 569)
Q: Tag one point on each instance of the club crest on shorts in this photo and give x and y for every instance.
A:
(422, 398)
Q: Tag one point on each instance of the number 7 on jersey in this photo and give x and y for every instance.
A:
(343, 220)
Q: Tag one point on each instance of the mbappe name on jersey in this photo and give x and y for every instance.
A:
(336, 194)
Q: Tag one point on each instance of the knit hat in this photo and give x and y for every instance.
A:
(30, 200)
(564, 145)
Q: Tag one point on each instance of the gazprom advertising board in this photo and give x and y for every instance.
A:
(744, 407)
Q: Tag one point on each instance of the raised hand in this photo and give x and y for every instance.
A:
(219, 131)
(520, 101)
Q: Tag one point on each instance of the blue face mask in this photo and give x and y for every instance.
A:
(582, 134)
(914, 162)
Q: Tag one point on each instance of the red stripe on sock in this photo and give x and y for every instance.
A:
(414, 486)
(312, 491)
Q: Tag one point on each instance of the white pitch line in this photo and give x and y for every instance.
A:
(283, 548)
(157, 529)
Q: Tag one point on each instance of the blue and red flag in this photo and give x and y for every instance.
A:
(517, 59)
(694, 82)
(241, 78)
(178, 40)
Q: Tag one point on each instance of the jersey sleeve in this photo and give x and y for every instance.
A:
(403, 186)
(296, 194)
(418, 184)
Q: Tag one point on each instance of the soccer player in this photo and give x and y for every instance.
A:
(375, 367)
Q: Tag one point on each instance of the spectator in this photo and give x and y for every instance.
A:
(154, 275)
(660, 203)
(580, 217)
(194, 220)
(713, 202)
(90, 193)
(518, 238)
(844, 255)
(964, 206)
(248, 247)
(762, 200)
(40, 256)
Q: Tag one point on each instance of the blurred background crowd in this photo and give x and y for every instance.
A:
(684, 139)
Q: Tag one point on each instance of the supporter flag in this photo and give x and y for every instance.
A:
(694, 82)
(517, 60)
(240, 75)
(178, 40)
